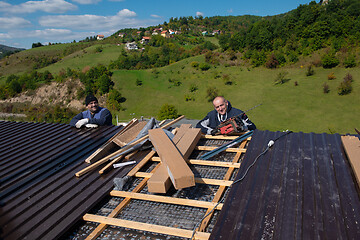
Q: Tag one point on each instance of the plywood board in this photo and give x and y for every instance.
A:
(130, 134)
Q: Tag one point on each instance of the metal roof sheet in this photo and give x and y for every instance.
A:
(40, 197)
(302, 188)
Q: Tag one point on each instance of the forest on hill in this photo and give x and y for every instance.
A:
(313, 35)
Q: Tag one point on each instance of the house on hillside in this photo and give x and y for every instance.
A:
(216, 32)
(204, 33)
(122, 34)
(145, 40)
(100, 37)
(165, 34)
(131, 46)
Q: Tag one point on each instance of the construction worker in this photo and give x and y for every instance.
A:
(94, 116)
(222, 111)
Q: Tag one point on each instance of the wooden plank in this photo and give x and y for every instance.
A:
(160, 182)
(209, 148)
(105, 159)
(197, 180)
(206, 162)
(352, 149)
(220, 137)
(109, 145)
(163, 199)
(146, 227)
(180, 132)
(180, 174)
(130, 134)
(100, 228)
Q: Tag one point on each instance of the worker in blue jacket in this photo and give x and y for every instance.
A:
(222, 111)
(94, 116)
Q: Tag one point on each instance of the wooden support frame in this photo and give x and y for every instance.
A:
(200, 232)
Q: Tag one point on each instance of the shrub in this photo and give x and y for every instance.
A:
(227, 80)
(167, 112)
(310, 71)
(193, 87)
(281, 78)
(175, 82)
(139, 82)
(188, 97)
(326, 88)
(350, 62)
(114, 99)
(272, 61)
(296, 83)
(204, 66)
(329, 61)
(331, 76)
(345, 86)
(211, 93)
(194, 64)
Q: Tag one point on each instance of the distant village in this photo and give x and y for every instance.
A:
(157, 31)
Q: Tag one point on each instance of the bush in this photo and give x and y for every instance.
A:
(345, 86)
(281, 78)
(194, 64)
(227, 80)
(139, 82)
(204, 66)
(167, 112)
(193, 87)
(310, 71)
(326, 88)
(211, 93)
(331, 76)
(350, 62)
(114, 99)
(188, 97)
(272, 61)
(329, 61)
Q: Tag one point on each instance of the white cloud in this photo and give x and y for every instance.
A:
(4, 36)
(155, 16)
(199, 14)
(116, 0)
(13, 22)
(124, 18)
(87, 1)
(49, 6)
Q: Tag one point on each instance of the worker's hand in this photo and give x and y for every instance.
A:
(90, 125)
(81, 122)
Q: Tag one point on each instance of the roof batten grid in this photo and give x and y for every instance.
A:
(174, 200)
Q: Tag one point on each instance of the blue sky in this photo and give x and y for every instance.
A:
(25, 22)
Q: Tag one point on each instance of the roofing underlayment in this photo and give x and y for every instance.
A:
(302, 188)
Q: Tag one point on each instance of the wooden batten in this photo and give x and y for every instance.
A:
(352, 149)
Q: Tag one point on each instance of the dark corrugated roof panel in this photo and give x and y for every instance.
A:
(302, 188)
(40, 197)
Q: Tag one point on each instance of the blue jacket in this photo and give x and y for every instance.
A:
(213, 119)
(101, 117)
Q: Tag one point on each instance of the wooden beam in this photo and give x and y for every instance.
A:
(197, 180)
(209, 148)
(163, 199)
(352, 149)
(206, 163)
(179, 172)
(146, 227)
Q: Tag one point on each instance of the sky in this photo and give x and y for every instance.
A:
(23, 23)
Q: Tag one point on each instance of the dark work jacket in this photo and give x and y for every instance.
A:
(213, 119)
(101, 117)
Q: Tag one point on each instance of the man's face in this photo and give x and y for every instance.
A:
(220, 105)
(93, 106)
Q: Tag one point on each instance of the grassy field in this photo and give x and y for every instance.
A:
(298, 108)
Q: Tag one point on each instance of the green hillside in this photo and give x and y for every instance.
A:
(241, 61)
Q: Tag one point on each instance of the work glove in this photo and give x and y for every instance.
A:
(81, 122)
(214, 132)
(90, 125)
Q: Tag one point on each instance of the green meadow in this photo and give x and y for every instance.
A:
(298, 107)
